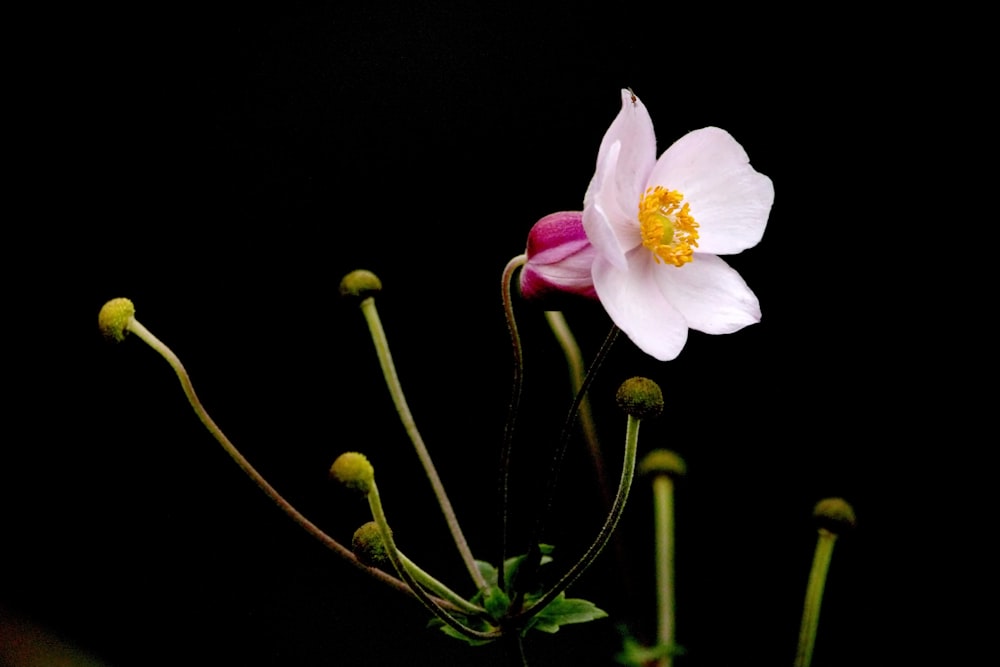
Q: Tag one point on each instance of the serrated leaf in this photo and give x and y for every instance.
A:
(564, 611)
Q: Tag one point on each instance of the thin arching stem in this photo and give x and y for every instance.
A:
(435, 587)
(534, 555)
(515, 399)
(604, 535)
(396, 391)
(574, 361)
(146, 336)
(378, 514)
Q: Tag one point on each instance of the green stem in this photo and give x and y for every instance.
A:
(574, 359)
(396, 391)
(435, 587)
(663, 517)
(146, 336)
(378, 514)
(814, 597)
(617, 509)
(515, 399)
(532, 560)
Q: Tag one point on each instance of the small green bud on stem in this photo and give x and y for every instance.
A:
(353, 471)
(835, 515)
(369, 546)
(662, 462)
(360, 285)
(114, 318)
(640, 397)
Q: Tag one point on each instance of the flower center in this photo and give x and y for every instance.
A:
(668, 229)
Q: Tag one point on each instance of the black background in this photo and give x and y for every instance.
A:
(224, 168)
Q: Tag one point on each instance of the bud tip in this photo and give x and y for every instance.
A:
(353, 471)
(368, 545)
(662, 462)
(640, 397)
(360, 285)
(114, 318)
(835, 515)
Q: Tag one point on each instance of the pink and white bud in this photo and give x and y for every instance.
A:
(559, 258)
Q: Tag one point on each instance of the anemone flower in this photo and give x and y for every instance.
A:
(658, 227)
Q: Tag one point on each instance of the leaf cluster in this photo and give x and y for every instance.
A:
(496, 600)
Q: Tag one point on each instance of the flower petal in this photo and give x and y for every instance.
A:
(709, 293)
(626, 155)
(729, 199)
(603, 219)
(639, 309)
(559, 258)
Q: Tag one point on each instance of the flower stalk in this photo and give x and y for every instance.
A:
(515, 398)
(574, 360)
(663, 466)
(814, 597)
(637, 410)
(132, 325)
(412, 578)
(406, 417)
(663, 513)
(834, 515)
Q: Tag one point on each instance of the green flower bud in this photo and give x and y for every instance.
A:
(114, 318)
(640, 397)
(662, 462)
(368, 545)
(360, 285)
(353, 471)
(835, 515)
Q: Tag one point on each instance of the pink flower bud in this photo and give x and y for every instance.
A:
(559, 258)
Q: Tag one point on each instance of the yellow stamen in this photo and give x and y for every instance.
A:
(668, 229)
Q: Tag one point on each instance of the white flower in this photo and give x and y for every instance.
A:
(658, 226)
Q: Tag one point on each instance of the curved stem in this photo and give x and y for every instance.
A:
(515, 399)
(146, 336)
(435, 587)
(396, 391)
(533, 558)
(375, 503)
(814, 597)
(574, 360)
(617, 509)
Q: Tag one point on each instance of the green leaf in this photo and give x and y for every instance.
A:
(513, 564)
(489, 572)
(496, 602)
(563, 611)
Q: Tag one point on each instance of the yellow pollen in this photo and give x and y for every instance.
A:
(667, 227)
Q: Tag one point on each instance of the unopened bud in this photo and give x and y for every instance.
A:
(360, 285)
(559, 260)
(662, 462)
(640, 397)
(368, 545)
(353, 471)
(835, 515)
(114, 318)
